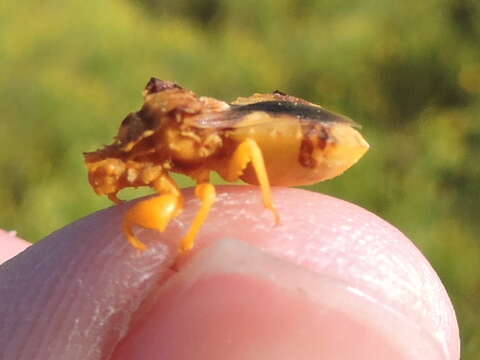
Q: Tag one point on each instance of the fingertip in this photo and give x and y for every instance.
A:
(237, 302)
(91, 264)
(335, 240)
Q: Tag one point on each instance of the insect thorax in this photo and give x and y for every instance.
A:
(191, 146)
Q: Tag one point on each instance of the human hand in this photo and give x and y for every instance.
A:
(333, 281)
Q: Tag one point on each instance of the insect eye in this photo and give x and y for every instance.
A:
(130, 119)
(156, 85)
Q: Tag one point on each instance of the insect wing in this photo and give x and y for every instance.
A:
(226, 120)
(268, 112)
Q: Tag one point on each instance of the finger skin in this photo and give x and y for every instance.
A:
(238, 302)
(74, 294)
(341, 241)
(71, 296)
(10, 245)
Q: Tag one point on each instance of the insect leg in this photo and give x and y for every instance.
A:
(248, 151)
(206, 193)
(154, 213)
(114, 198)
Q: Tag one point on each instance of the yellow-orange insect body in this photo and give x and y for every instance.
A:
(264, 139)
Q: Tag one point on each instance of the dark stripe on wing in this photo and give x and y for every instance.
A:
(232, 118)
(301, 111)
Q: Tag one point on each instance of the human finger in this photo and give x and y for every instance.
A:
(87, 288)
(10, 245)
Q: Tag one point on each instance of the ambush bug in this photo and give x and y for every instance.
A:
(263, 139)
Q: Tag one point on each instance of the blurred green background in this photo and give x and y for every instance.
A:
(408, 71)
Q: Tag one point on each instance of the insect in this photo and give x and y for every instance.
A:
(264, 139)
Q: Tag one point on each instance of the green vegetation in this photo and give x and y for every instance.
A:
(408, 71)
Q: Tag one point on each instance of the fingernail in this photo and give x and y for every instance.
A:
(233, 301)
